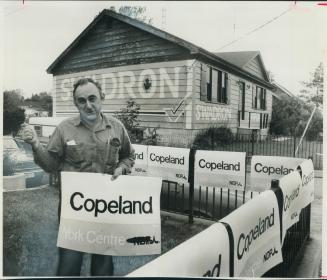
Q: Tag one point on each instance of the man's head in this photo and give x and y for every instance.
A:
(88, 97)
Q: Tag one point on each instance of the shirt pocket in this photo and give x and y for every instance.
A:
(74, 153)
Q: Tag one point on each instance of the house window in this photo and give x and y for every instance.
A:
(213, 85)
(264, 121)
(259, 98)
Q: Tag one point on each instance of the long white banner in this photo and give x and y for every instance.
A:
(220, 169)
(256, 231)
(290, 186)
(266, 168)
(140, 167)
(171, 164)
(120, 217)
(205, 254)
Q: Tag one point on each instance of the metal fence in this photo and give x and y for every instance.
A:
(252, 144)
(216, 203)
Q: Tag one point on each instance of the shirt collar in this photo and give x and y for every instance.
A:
(104, 123)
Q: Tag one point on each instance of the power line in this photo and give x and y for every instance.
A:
(257, 28)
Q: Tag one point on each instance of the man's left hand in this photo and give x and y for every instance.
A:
(118, 171)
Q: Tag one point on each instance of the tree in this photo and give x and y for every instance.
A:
(41, 101)
(12, 99)
(129, 117)
(313, 91)
(290, 116)
(13, 115)
(135, 12)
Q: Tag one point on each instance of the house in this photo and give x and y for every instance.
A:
(281, 92)
(181, 88)
(32, 112)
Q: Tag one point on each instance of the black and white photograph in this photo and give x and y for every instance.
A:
(163, 139)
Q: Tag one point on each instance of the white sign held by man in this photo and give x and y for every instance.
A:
(256, 231)
(101, 216)
(220, 169)
(266, 168)
(140, 167)
(169, 163)
(203, 255)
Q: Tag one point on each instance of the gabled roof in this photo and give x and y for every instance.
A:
(194, 50)
(242, 58)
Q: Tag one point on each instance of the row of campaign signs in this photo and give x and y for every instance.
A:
(211, 168)
(122, 218)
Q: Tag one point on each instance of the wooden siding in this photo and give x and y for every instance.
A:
(255, 68)
(162, 106)
(209, 118)
(113, 43)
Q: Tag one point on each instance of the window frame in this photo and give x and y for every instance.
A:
(221, 92)
(259, 98)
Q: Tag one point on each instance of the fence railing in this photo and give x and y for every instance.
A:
(215, 203)
(253, 144)
(293, 246)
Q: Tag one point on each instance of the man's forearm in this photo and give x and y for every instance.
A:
(45, 159)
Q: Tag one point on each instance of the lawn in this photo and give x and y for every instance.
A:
(30, 233)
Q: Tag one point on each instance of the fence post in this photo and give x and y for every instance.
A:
(191, 183)
(252, 142)
(280, 200)
(294, 146)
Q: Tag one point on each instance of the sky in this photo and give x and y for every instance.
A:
(290, 40)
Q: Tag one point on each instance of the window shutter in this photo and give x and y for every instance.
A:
(226, 90)
(215, 85)
(219, 87)
(203, 87)
(209, 84)
(254, 96)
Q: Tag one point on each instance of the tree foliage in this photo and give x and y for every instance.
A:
(129, 117)
(313, 91)
(41, 101)
(135, 12)
(290, 116)
(13, 115)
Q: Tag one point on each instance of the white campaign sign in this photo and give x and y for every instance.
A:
(171, 164)
(205, 254)
(120, 217)
(220, 169)
(266, 168)
(256, 231)
(308, 185)
(290, 185)
(140, 167)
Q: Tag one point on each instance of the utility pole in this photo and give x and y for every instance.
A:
(163, 18)
(305, 130)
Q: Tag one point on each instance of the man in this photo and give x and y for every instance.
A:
(85, 144)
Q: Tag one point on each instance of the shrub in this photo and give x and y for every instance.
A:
(212, 137)
(129, 117)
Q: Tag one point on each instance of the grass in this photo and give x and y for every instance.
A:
(30, 228)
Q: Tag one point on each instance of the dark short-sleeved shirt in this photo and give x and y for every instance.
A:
(74, 147)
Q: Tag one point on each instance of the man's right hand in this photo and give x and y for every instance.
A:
(29, 136)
